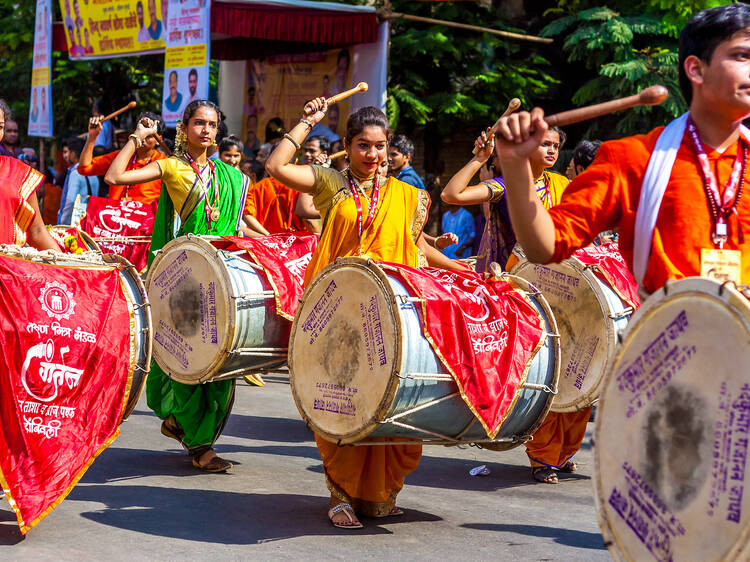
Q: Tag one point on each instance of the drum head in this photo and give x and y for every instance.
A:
(587, 336)
(189, 290)
(344, 349)
(673, 427)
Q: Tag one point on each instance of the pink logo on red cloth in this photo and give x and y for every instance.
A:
(57, 300)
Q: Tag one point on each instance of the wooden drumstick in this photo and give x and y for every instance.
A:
(653, 95)
(513, 104)
(131, 105)
(361, 87)
(338, 154)
(161, 142)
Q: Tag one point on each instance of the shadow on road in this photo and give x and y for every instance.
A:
(262, 428)
(219, 517)
(9, 532)
(578, 539)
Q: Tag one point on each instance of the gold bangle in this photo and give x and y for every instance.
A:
(307, 122)
(138, 141)
(288, 137)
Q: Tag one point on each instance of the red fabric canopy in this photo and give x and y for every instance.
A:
(255, 29)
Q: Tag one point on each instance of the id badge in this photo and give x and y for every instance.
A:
(722, 265)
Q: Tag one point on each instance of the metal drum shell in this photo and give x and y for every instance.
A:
(251, 324)
(620, 441)
(612, 310)
(449, 419)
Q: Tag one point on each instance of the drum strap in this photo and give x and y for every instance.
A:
(655, 182)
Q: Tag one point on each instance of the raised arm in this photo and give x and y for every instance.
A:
(458, 191)
(87, 154)
(118, 174)
(517, 137)
(298, 177)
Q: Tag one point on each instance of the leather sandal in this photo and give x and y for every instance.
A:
(544, 474)
(394, 512)
(348, 510)
(568, 467)
(216, 464)
(169, 428)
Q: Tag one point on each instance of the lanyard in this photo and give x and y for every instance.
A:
(212, 211)
(373, 205)
(719, 207)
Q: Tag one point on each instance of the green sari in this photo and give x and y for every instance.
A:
(200, 410)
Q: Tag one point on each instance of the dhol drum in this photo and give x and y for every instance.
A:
(673, 428)
(214, 313)
(134, 292)
(353, 379)
(589, 315)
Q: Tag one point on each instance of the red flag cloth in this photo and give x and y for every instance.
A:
(284, 258)
(608, 264)
(121, 227)
(484, 332)
(67, 336)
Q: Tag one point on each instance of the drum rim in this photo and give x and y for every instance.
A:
(590, 397)
(727, 294)
(379, 275)
(129, 268)
(203, 243)
(527, 287)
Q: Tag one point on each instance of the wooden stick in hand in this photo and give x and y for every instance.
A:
(361, 87)
(131, 105)
(338, 154)
(513, 104)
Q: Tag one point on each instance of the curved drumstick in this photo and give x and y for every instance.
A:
(131, 105)
(513, 104)
(338, 154)
(361, 87)
(161, 142)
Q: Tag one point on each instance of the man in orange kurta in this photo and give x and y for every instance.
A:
(88, 165)
(714, 70)
(273, 204)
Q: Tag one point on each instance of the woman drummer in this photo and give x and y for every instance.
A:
(210, 196)
(364, 214)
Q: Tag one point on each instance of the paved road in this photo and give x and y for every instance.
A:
(142, 500)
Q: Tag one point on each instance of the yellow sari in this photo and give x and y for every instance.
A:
(369, 478)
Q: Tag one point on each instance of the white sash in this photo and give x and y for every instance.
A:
(655, 182)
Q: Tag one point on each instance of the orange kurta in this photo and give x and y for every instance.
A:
(369, 478)
(273, 203)
(606, 196)
(147, 192)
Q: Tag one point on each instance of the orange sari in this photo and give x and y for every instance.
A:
(367, 477)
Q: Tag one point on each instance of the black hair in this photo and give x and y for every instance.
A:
(366, 117)
(274, 129)
(193, 106)
(7, 113)
(222, 131)
(155, 118)
(193, 72)
(325, 145)
(99, 150)
(404, 145)
(344, 54)
(585, 151)
(74, 144)
(561, 134)
(703, 33)
(100, 106)
(175, 74)
(230, 141)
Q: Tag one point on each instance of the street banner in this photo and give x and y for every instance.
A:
(113, 28)
(68, 354)
(40, 107)
(121, 227)
(187, 57)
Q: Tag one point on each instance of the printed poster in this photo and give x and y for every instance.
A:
(278, 88)
(187, 57)
(40, 106)
(113, 28)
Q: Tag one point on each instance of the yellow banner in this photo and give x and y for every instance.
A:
(188, 55)
(40, 76)
(109, 28)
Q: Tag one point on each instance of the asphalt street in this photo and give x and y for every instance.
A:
(143, 500)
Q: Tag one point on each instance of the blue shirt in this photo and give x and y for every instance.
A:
(409, 175)
(173, 106)
(75, 184)
(461, 224)
(105, 135)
